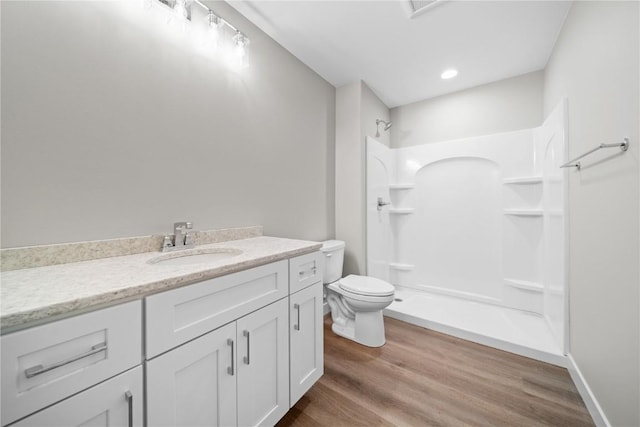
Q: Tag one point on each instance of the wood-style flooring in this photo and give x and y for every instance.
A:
(425, 378)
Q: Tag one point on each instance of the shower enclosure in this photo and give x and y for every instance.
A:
(472, 233)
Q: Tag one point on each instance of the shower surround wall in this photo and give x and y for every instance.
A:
(481, 219)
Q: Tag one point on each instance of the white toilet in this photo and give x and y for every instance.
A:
(356, 302)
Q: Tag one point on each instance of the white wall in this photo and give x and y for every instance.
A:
(357, 108)
(595, 65)
(503, 106)
(113, 128)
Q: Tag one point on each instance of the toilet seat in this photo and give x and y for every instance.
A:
(359, 297)
(365, 286)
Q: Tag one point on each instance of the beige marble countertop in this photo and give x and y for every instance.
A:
(38, 295)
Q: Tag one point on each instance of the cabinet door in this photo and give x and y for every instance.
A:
(115, 402)
(306, 340)
(195, 384)
(263, 365)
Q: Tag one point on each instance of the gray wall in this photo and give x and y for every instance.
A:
(373, 108)
(112, 128)
(349, 178)
(595, 65)
(502, 106)
(357, 108)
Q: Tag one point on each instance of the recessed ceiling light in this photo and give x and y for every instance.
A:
(449, 74)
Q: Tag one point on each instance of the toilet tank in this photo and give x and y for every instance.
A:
(333, 251)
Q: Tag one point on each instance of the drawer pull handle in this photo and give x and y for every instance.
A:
(247, 359)
(297, 307)
(129, 398)
(231, 369)
(39, 369)
(312, 270)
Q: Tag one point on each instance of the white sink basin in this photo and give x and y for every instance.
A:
(190, 257)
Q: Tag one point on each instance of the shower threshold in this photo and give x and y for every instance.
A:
(503, 328)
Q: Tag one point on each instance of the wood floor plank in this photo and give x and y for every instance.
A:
(425, 378)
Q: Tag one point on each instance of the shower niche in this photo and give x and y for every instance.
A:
(477, 219)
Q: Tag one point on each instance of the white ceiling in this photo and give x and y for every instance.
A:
(401, 58)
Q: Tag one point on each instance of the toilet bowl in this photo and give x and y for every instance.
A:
(356, 302)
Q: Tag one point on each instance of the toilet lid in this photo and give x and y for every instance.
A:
(364, 285)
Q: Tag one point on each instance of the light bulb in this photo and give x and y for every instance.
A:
(238, 56)
(239, 51)
(214, 24)
(180, 9)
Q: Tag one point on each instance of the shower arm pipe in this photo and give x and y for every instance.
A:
(222, 20)
(624, 146)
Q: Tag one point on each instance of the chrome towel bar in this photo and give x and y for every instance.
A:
(624, 146)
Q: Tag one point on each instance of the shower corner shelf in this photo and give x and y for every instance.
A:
(523, 180)
(406, 186)
(523, 212)
(401, 211)
(524, 284)
(401, 266)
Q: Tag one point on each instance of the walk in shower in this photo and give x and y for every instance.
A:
(472, 233)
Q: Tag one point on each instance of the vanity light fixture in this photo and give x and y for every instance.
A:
(218, 29)
(238, 59)
(180, 9)
(449, 74)
(214, 30)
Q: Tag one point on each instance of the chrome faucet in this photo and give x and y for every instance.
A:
(182, 238)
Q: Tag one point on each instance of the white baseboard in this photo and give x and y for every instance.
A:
(587, 395)
(325, 308)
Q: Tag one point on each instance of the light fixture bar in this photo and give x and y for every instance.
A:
(222, 20)
(215, 39)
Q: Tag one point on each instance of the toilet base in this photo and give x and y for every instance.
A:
(367, 329)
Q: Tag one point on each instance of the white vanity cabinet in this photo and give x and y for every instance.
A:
(263, 365)
(305, 323)
(116, 402)
(177, 316)
(235, 370)
(239, 349)
(306, 340)
(48, 363)
(305, 270)
(195, 384)
(235, 375)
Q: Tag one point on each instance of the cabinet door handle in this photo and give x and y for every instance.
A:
(129, 398)
(297, 307)
(312, 270)
(247, 358)
(231, 369)
(39, 369)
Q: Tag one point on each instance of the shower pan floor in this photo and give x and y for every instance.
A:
(507, 329)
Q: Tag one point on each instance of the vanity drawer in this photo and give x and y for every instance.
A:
(179, 315)
(116, 402)
(48, 363)
(305, 270)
